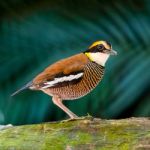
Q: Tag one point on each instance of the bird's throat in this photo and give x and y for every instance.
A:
(99, 58)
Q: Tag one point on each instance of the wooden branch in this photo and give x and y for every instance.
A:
(84, 134)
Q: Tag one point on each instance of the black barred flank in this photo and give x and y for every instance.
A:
(93, 74)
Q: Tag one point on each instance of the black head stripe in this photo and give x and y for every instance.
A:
(97, 48)
(93, 49)
(108, 44)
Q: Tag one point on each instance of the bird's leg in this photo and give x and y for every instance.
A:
(58, 101)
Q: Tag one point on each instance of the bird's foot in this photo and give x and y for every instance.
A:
(78, 118)
(70, 119)
(88, 117)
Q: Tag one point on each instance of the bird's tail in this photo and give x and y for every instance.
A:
(23, 88)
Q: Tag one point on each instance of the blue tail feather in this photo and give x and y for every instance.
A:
(21, 89)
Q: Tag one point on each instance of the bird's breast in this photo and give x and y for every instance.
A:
(74, 89)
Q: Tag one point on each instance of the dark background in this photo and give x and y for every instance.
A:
(36, 33)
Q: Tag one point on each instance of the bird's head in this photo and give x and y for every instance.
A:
(99, 52)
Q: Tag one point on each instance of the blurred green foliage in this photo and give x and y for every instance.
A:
(34, 34)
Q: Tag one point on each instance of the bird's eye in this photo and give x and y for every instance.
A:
(100, 47)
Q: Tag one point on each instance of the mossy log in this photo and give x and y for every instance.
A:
(84, 134)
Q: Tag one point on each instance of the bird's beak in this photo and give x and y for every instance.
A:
(112, 52)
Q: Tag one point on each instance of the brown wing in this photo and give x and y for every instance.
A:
(64, 67)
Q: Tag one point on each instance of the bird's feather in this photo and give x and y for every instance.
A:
(23, 88)
(62, 80)
(64, 70)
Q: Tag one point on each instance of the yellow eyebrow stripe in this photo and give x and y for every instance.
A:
(100, 42)
(96, 43)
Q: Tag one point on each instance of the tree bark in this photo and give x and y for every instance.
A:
(83, 134)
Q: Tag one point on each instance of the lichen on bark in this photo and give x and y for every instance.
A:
(85, 133)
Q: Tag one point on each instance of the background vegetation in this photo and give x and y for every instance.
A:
(36, 33)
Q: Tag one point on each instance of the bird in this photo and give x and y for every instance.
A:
(73, 77)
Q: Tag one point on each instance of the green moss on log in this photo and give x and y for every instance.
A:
(86, 133)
